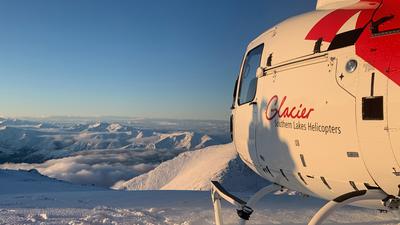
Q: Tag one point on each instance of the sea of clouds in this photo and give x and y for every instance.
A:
(99, 167)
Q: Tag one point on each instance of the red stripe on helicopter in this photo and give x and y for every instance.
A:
(382, 52)
(328, 26)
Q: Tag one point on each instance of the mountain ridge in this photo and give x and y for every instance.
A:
(194, 170)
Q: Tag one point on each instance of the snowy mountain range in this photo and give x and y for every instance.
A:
(101, 152)
(26, 141)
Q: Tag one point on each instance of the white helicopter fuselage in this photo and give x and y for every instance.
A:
(317, 103)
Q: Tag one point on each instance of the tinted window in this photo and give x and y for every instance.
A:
(248, 82)
(234, 93)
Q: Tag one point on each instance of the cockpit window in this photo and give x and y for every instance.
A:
(248, 82)
(234, 93)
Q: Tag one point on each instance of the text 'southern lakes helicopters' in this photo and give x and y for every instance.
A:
(317, 107)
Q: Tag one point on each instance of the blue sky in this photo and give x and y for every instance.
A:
(147, 58)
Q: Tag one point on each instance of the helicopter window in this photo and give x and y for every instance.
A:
(234, 94)
(248, 82)
(231, 126)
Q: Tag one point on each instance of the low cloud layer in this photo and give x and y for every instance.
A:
(100, 167)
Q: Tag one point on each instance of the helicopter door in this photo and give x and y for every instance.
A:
(373, 132)
(394, 118)
(245, 114)
(394, 105)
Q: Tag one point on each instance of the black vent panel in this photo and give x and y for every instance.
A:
(372, 108)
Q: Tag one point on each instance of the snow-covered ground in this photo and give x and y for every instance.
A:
(30, 198)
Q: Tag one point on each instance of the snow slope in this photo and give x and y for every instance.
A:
(29, 198)
(27, 182)
(193, 171)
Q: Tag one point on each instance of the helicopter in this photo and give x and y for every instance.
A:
(316, 108)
